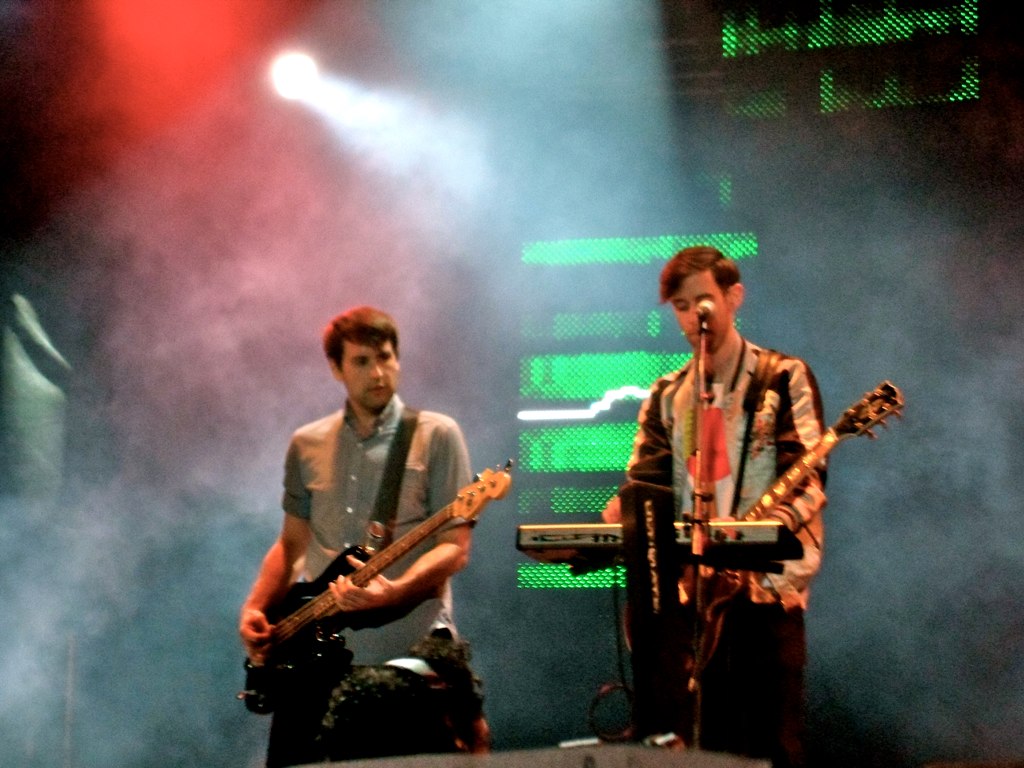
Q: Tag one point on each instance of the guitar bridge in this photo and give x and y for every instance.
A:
(324, 635)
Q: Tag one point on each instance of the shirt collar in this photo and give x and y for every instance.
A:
(388, 419)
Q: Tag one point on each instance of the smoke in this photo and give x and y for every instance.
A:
(192, 281)
(186, 285)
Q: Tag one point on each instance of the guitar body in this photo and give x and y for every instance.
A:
(319, 644)
(267, 684)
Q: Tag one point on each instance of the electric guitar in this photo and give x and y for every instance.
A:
(308, 623)
(871, 410)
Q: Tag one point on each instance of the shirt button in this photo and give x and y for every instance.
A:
(349, 510)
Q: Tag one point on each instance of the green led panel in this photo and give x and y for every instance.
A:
(600, 325)
(577, 448)
(549, 576)
(765, 104)
(590, 376)
(893, 93)
(744, 35)
(634, 250)
(564, 500)
(722, 184)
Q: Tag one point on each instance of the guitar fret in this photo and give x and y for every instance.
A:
(792, 476)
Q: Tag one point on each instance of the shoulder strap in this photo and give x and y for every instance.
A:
(767, 362)
(391, 480)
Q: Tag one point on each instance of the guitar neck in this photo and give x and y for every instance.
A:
(399, 549)
(792, 476)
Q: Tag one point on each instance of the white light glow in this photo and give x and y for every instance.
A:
(397, 133)
(295, 75)
(576, 414)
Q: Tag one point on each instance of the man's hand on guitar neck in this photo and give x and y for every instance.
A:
(424, 578)
(379, 592)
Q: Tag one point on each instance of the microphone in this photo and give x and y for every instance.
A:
(705, 309)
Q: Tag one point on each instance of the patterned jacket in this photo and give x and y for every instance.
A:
(788, 423)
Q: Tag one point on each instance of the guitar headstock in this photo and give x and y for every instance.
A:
(874, 408)
(489, 485)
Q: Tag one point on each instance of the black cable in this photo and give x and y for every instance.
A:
(622, 684)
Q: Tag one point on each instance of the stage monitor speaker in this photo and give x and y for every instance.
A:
(600, 756)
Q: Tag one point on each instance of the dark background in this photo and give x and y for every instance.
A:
(175, 235)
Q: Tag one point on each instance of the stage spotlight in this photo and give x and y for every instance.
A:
(294, 75)
(388, 130)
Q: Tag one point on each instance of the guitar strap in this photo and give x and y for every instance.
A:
(767, 362)
(380, 528)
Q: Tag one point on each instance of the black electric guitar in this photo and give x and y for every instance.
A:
(871, 410)
(308, 624)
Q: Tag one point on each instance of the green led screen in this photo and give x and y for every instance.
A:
(565, 500)
(744, 34)
(600, 325)
(560, 577)
(590, 376)
(758, 39)
(637, 250)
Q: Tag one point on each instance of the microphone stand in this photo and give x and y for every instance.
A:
(701, 499)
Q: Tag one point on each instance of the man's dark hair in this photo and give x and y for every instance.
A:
(692, 260)
(360, 325)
